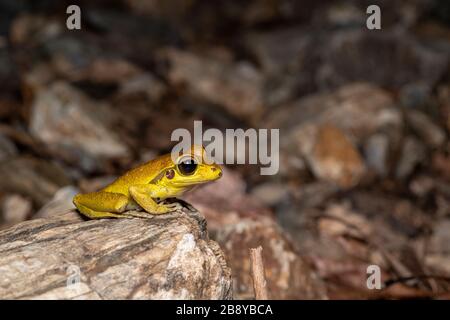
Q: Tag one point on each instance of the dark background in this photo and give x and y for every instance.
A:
(364, 119)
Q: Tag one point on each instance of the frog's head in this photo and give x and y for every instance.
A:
(192, 168)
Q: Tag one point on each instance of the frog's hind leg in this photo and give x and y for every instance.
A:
(101, 204)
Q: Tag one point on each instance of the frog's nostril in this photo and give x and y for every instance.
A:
(213, 169)
(220, 174)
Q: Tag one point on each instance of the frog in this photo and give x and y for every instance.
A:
(145, 190)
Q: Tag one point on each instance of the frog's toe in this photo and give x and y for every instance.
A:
(173, 206)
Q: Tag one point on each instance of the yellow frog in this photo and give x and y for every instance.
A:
(148, 185)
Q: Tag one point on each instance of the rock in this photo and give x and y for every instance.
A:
(422, 186)
(334, 158)
(400, 59)
(15, 209)
(444, 102)
(98, 70)
(288, 275)
(269, 194)
(280, 50)
(236, 87)
(167, 257)
(438, 255)
(9, 75)
(413, 153)
(344, 15)
(225, 201)
(414, 95)
(31, 29)
(75, 127)
(7, 148)
(357, 110)
(33, 178)
(95, 184)
(441, 164)
(288, 62)
(430, 133)
(144, 83)
(60, 203)
(342, 242)
(360, 109)
(238, 221)
(398, 216)
(8, 106)
(376, 151)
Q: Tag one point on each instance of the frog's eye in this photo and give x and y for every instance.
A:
(187, 166)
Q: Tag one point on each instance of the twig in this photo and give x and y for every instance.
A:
(257, 271)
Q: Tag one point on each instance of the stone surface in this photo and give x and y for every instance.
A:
(236, 87)
(33, 178)
(238, 222)
(15, 208)
(167, 257)
(335, 158)
(74, 126)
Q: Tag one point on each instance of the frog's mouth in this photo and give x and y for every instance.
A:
(190, 183)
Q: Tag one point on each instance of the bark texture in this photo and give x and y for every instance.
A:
(65, 257)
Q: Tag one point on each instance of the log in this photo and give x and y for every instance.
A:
(67, 257)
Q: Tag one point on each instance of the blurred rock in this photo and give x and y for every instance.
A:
(360, 109)
(412, 153)
(400, 59)
(33, 178)
(8, 106)
(444, 102)
(144, 83)
(269, 194)
(280, 49)
(95, 184)
(288, 275)
(9, 76)
(31, 29)
(239, 222)
(98, 70)
(7, 148)
(441, 163)
(431, 134)
(335, 158)
(288, 62)
(400, 217)
(438, 256)
(59, 204)
(342, 14)
(376, 150)
(237, 87)
(414, 95)
(75, 127)
(225, 201)
(15, 209)
(421, 186)
(314, 194)
(339, 241)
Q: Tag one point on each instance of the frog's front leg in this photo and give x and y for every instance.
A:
(144, 195)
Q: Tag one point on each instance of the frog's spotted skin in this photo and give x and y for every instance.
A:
(147, 185)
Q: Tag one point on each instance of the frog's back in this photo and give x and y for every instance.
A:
(143, 174)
